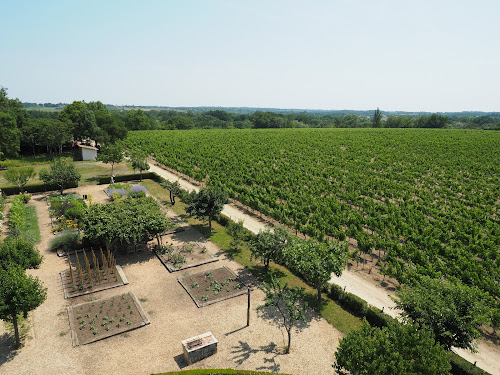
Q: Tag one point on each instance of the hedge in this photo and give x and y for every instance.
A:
(215, 372)
(130, 177)
(35, 188)
(460, 366)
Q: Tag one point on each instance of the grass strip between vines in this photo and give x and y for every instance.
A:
(332, 312)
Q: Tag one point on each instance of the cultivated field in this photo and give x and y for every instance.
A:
(418, 199)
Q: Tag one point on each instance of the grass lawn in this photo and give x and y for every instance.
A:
(333, 313)
(90, 171)
(31, 231)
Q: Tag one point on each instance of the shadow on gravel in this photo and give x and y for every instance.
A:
(243, 351)
(7, 348)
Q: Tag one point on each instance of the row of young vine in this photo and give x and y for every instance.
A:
(425, 200)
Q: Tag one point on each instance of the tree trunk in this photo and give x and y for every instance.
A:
(210, 224)
(141, 175)
(112, 166)
(266, 264)
(318, 288)
(16, 330)
(289, 331)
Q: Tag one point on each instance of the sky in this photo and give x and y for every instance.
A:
(427, 55)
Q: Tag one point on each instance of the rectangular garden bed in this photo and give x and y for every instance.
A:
(100, 319)
(115, 279)
(192, 254)
(212, 286)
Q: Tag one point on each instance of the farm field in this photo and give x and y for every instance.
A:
(424, 198)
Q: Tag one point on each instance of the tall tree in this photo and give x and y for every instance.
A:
(398, 349)
(10, 136)
(61, 174)
(19, 293)
(377, 119)
(111, 153)
(453, 311)
(20, 176)
(207, 204)
(289, 303)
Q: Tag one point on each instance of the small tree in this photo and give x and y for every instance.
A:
(453, 311)
(288, 302)
(398, 349)
(19, 252)
(61, 174)
(237, 233)
(317, 261)
(112, 153)
(20, 176)
(19, 293)
(173, 187)
(269, 245)
(207, 204)
(139, 161)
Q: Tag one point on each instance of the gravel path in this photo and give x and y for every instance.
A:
(174, 317)
(356, 282)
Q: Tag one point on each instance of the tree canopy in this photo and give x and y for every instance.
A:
(206, 204)
(398, 349)
(61, 174)
(20, 176)
(19, 293)
(270, 245)
(20, 252)
(126, 221)
(453, 311)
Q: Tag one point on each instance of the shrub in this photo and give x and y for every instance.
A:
(67, 241)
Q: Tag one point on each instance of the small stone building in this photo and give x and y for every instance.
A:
(86, 153)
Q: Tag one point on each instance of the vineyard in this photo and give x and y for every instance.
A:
(425, 200)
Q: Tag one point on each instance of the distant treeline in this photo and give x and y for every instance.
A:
(34, 128)
(152, 118)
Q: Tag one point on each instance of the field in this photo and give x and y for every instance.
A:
(425, 200)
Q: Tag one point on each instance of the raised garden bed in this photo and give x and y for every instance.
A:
(100, 319)
(212, 286)
(93, 276)
(176, 258)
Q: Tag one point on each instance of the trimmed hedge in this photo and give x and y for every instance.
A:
(129, 177)
(35, 188)
(460, 366)
(358, 307)
(215, 372)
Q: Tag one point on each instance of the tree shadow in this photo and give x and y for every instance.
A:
(8, 350)
(243, 351)
(253, 276)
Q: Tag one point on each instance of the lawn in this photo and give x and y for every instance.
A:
(90, 171)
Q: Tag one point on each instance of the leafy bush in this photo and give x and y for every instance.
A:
(67, 241)
(17, 216)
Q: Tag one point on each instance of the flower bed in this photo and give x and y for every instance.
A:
(212, 286)
(117, 191)
(100, 319)
(191, 254)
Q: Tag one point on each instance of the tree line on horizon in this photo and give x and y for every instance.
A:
(31, 131)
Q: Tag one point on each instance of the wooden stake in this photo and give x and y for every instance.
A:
(248, 308)
(71, 273)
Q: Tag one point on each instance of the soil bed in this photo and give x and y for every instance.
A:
(176, 258)
(212, 286)
(100, 319)
(70, 290)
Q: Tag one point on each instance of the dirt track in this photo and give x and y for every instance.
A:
(358, 283)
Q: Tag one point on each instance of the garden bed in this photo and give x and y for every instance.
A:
(208, 287)
(192, 254)
(100, 319)
(114, 281)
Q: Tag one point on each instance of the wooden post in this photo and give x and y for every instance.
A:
(248, 308)
(71, 273)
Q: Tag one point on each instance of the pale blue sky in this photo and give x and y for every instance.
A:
(430, 55)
